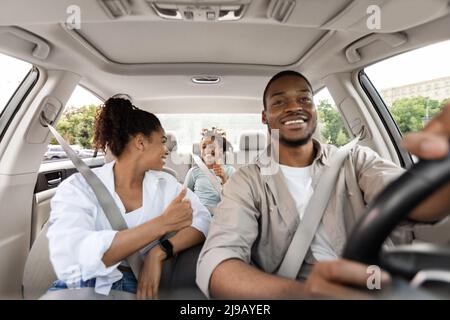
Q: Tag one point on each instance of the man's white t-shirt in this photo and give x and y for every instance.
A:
(299, 183)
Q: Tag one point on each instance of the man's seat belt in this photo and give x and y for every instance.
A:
(211, 177)
(304, 235)
(104, 197)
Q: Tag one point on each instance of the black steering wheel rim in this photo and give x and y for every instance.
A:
(392, 206)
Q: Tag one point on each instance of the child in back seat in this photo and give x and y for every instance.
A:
(213, 146)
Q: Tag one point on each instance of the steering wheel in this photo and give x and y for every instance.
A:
(424, 263)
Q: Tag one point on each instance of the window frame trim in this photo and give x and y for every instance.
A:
(15, 102)
(386, 118)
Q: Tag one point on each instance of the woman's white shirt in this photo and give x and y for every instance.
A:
(79, 232)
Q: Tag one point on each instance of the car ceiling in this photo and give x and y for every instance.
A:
(154, 59)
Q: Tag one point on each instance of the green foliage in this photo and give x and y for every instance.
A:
(76, 126)
(332, 127)
(445, 102)
(410, 114)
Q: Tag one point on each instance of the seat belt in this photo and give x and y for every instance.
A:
(211, 177)
(306, 230)
(104, 197)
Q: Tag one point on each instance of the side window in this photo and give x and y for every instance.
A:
(76, 126)
(414, 85)
(13, 71)
(330, 127)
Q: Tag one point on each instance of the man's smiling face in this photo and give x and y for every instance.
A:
(290, 109)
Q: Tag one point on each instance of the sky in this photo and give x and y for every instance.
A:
(428, 63)
(12, 73)
(81, 97)
(419, 65)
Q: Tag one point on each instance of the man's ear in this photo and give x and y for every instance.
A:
(264, 117)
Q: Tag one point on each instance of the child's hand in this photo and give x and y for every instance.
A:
(218, 171)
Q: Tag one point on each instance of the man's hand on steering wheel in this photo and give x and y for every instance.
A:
(334, 279)
(331, 279)
(433, 141)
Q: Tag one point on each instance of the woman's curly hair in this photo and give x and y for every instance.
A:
(117, 121)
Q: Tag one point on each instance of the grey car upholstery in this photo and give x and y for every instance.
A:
(177, 279)
(180, 163)
(38, 274)
(251, 143)
(40, 211)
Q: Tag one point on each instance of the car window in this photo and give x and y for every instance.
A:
(13, 71)
(75, 126)
(188, 127)
(414, 85)
(331, 127)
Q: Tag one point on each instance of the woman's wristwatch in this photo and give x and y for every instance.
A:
(167, 247)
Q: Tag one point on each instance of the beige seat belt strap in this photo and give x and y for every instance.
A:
(307, 227)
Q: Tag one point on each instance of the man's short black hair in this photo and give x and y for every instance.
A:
(283, 74)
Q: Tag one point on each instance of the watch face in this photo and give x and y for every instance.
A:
(167, 247)
(166, 244)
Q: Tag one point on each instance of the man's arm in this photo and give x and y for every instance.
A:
(435, 208)
(235, 279)
(232, 234)
(375, 173)
(432, 143)
(331, 276)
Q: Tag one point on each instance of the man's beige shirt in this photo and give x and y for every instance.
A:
(255, 223)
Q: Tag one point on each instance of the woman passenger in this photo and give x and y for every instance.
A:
(84, 250)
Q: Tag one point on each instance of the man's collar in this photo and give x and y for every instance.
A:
(321, 153)
(267, 157)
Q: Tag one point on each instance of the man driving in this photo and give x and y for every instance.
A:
(256, 220)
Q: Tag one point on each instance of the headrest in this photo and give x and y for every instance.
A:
(171, 141)
(170, 171)
(196, 148)
(252, 140)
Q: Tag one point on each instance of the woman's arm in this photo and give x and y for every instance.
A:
(131, 240)
(176, 216)
(149, 278)
(184, 239)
